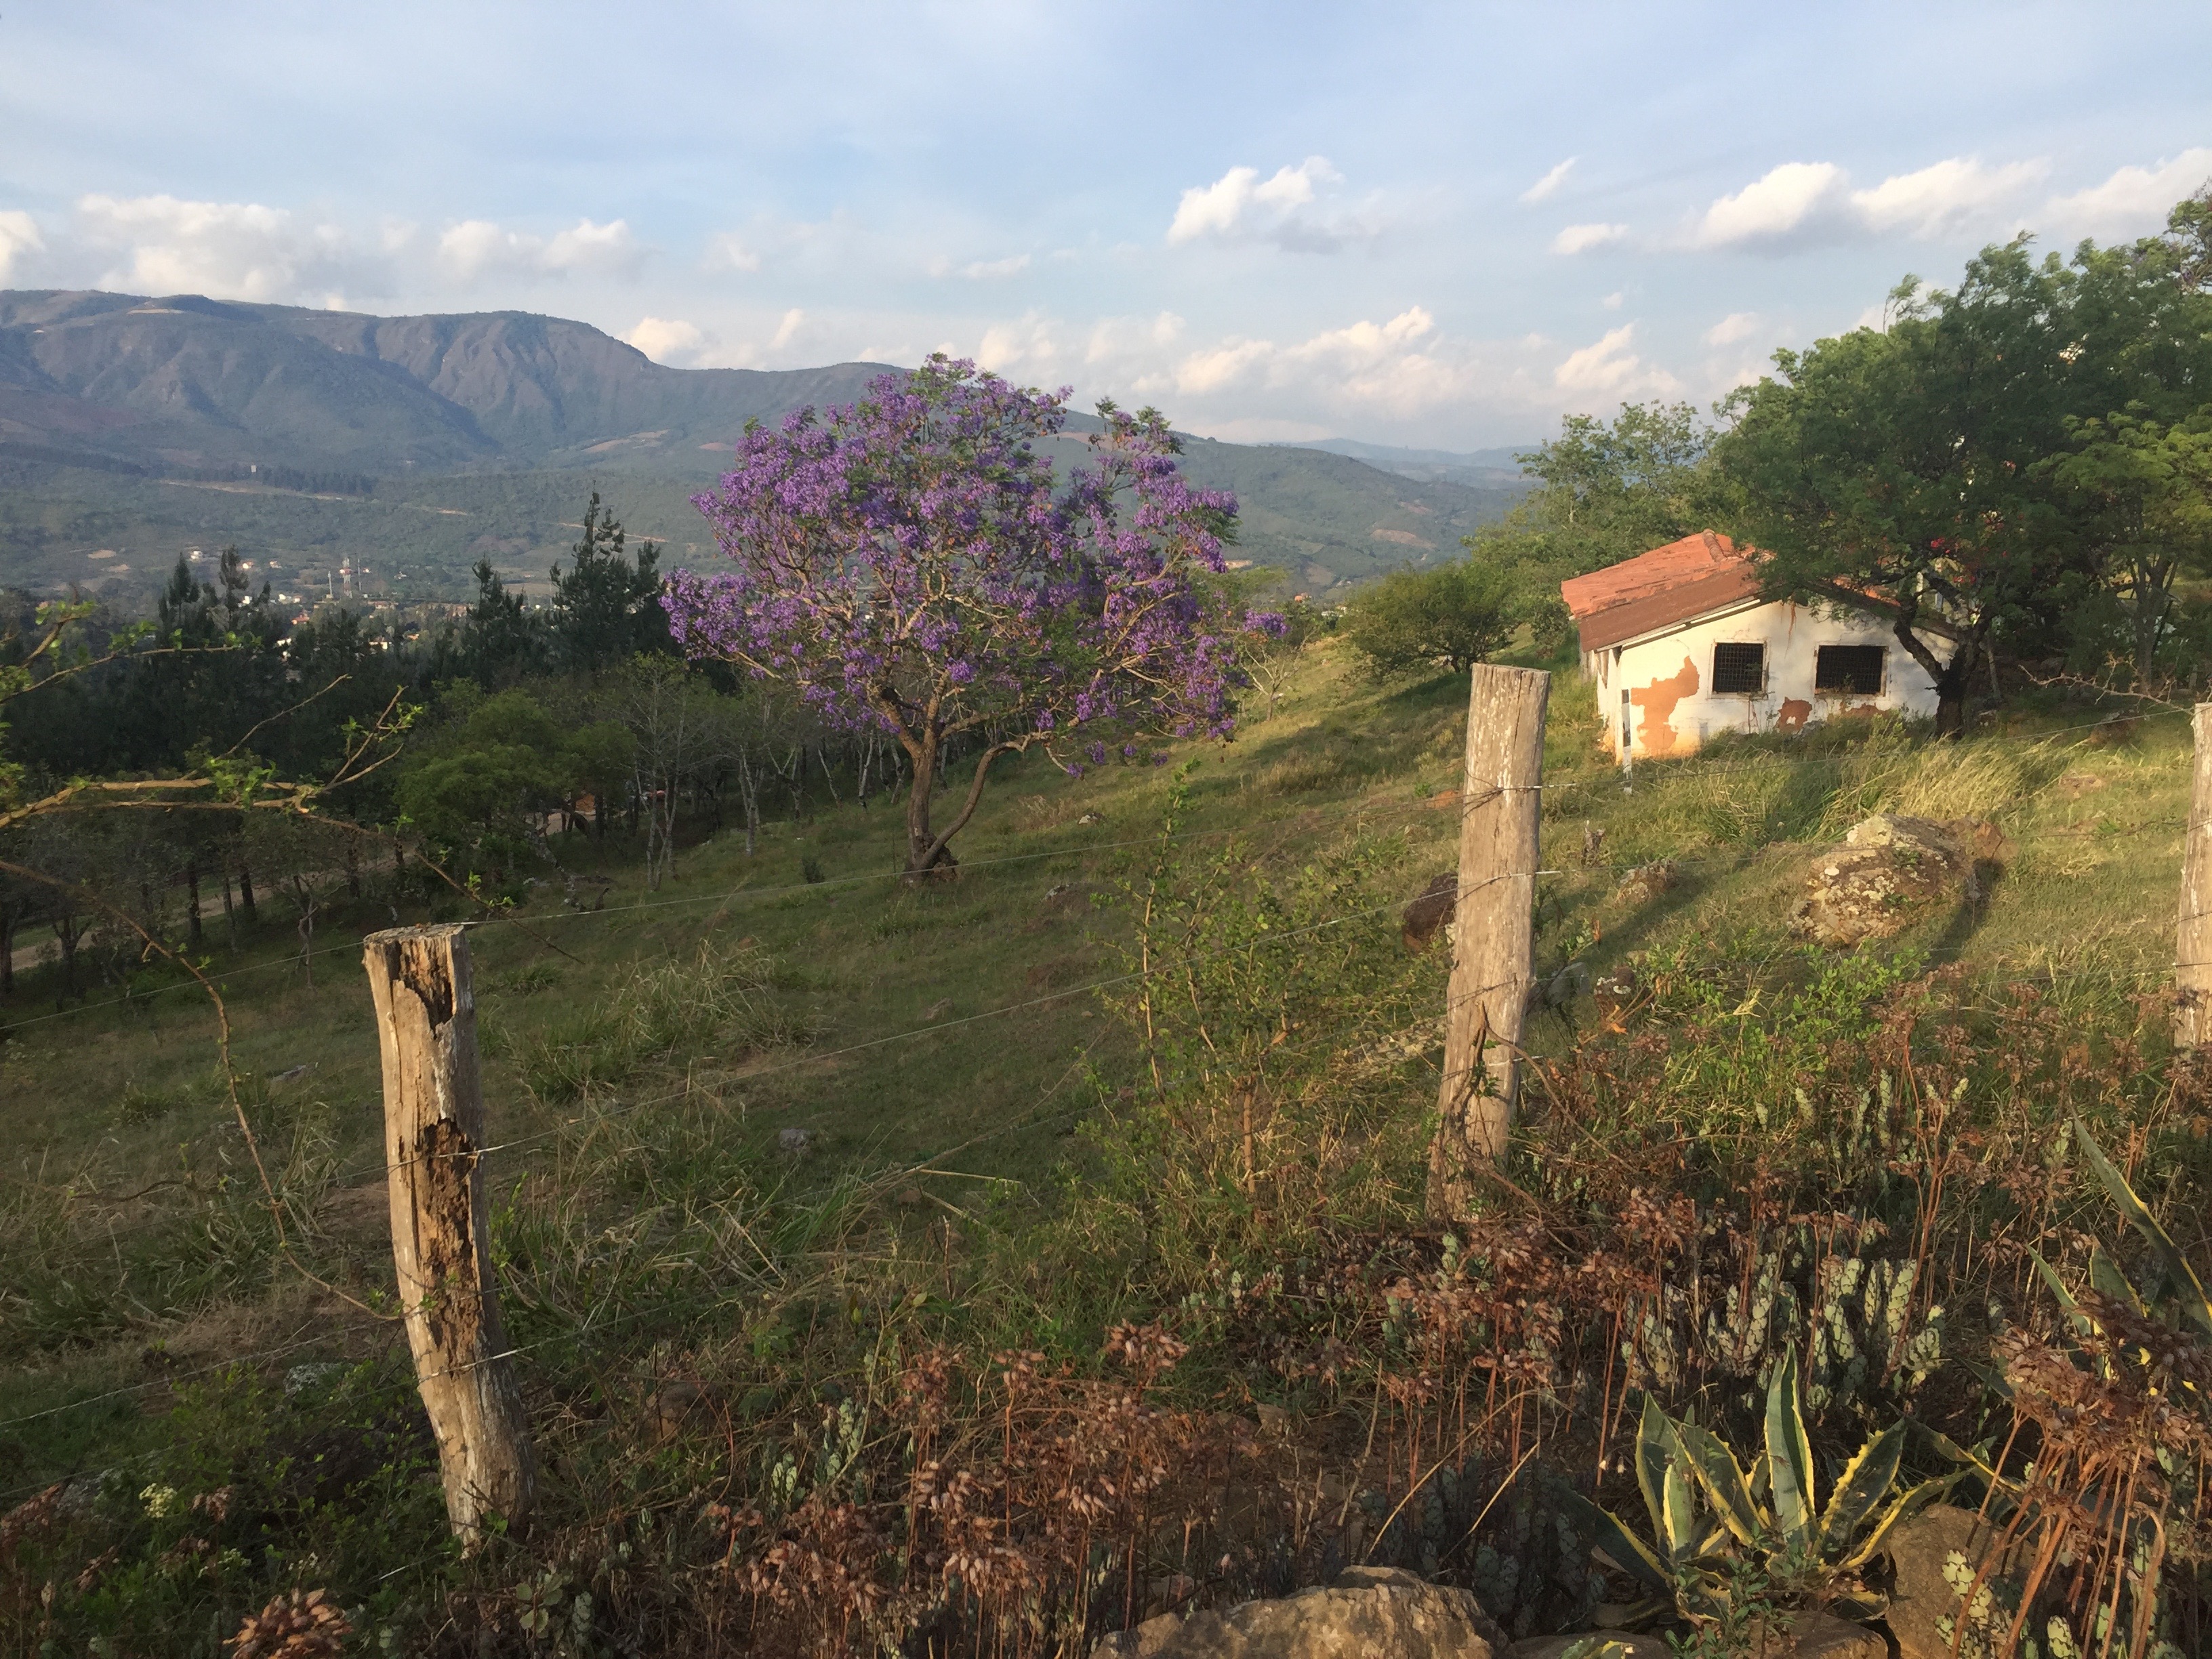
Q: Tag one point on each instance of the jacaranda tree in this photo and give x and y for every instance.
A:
(912, 562)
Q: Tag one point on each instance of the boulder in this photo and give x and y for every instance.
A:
(1368, 1610)
(1941, 1544)
(1647, 881)
(1890, 869)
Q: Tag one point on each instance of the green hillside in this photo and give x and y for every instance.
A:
(1110, 1150)
(134, 429)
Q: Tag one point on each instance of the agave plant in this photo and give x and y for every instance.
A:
(1710, 1518)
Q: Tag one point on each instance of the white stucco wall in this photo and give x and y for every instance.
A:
(1668, 677)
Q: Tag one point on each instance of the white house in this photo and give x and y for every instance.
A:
(1680, 645)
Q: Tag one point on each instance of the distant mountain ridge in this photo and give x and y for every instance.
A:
(190, 381)
(132, 428)
(1431, 465)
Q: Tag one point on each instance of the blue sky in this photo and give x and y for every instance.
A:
(1424, 224)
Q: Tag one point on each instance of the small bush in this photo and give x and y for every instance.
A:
(1452, 617)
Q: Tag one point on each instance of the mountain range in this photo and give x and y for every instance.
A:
(133, 429)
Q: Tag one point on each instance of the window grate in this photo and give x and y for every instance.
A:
(1851, 669)
(1739, 670)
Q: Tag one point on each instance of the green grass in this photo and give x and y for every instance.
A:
(643, 1062)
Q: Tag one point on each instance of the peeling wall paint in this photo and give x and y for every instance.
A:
(1668, 675)
(1654, 732)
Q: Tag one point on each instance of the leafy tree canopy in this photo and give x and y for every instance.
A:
(1453, 617)
(1608, 491)
(1906, 468)
(605, 609)
(907, 562)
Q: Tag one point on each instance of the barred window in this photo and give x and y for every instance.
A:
(1855, 670)
(1739, 670)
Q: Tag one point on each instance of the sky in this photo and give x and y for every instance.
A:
(1442, 225)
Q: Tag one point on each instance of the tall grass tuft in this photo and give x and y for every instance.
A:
(720, 996)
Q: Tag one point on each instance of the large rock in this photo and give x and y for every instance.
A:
(1888, 871)
(1927, 1552)
(1368, 1610)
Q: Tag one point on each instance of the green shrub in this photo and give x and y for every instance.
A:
(1451, 617)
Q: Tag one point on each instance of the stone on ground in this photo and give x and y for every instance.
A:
(1368, 1610)
(1888, 871)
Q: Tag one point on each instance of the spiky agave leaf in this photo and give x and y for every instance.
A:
(1907, 1503)
(1623, 1547)
(1725, 1483)
(1865, 1481)
(2188, 1289)
(1790, 1458)
(1678, 1533)
(2105, 1273)
(1656, 1444)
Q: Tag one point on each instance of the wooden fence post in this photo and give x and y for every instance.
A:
(1493, 947)
(434, 1126)
(2192, 940)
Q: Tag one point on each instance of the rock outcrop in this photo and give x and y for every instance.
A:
(1368, 1610)
(1941, 1544)
(1888, 871)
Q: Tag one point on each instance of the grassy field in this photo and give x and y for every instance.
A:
(856, 1063)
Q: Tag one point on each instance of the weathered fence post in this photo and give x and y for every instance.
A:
(2192, 940)
(1493, 950)
(434, 1129)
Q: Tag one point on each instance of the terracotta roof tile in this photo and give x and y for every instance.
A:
(1684, 580)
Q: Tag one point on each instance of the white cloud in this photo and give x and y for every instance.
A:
(725, 252)
(19, 234)
(1789, 200)
(670, 340)
(1241, 207)
(1119, 338)
(1549, 184)
(588, 246)
(226, 250)
(1027, 348)
(2134, 201)
(1585, 238)
(478, 247)
(1803, 204)
(1607, 369)
(1951, 196)
(1614, 300)
(788, 329)
(983, 270)
(1736, 325)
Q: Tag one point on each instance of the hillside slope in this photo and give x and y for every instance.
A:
(132, 429)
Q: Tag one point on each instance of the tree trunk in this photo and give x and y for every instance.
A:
(7, 950)
(245, 893)
(66, 931)
(195, 936)
(921, 849)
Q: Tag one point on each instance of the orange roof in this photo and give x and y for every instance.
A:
(1676, 583)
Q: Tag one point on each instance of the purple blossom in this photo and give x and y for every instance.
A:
(910, 560)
